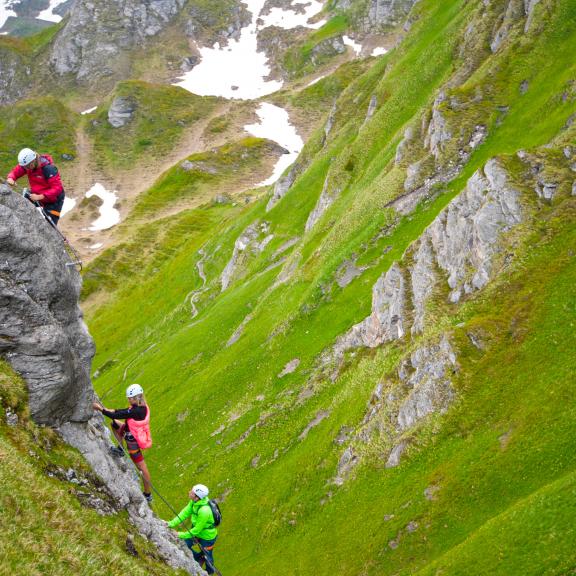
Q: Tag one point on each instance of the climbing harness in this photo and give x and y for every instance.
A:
(70, 250)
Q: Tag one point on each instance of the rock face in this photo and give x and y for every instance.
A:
(387, 12)
(43, 337)
(465, 234)
(438, 132)
(461, 242)
(93, 42)
(283, 184)
(252, 240)
(14, 76)
(400, 404)
(429, 383)
(457, 249)
(380, 14)
(327, 49)
(371, 108)
(327, 197)
(42, 333)
(207, 25)
(386, 322)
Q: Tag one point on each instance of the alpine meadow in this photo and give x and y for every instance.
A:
(329, 246)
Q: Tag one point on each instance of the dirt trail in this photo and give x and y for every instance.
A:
(128, 184)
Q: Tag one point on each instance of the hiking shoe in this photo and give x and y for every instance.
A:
(148, 497)
(117, 451)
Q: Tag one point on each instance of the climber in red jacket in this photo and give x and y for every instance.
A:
(45, 184)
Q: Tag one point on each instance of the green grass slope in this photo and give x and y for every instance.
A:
(487, 487)
(161, 116)
(43, 123)
(45, 527)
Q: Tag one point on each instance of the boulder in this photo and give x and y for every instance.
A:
(42, 333)
(121, 111)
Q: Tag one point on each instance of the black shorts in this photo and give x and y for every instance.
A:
(131, 443)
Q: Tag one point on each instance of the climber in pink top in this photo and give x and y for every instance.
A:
(135, 431)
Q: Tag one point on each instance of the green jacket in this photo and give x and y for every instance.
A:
(202, 520)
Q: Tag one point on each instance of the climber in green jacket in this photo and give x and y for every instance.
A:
(203, 531)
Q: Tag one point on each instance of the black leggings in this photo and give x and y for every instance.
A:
(53, 209)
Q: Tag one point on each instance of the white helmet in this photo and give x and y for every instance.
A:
(25, 156)
(200, 490)
(134, 390)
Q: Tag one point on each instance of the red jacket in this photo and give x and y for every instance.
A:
(50, 186)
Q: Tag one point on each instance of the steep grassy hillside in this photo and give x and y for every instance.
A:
(44, 123)
(48, 509)
(241, 334)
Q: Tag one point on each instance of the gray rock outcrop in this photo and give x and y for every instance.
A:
(208, 26)
(458, 249)
(529, 10)
(253, 240)
(94, 41)
(458, 246)
(429, 383)
(407, 139)
(327, 197)
(465, 235)
(438, 133)
(400, 405)
(121, 111)
(327, 49)
(371, 108)
(284, 183)
(15, 76)
(42, 333)
(386, 322)
(329, 123)
(290, 367)
(380, 14)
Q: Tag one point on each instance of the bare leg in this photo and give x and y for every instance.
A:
(145, 476)
(117, 433)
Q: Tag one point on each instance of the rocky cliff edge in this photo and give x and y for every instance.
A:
(44, 338)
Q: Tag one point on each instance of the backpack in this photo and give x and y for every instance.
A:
(216, 513)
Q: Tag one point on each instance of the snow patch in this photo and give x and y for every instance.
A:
(315, 80)
(238, 71)
(379, 51)
(69, 204)
(96, 246)
(90, 110)
(6, 12)
(275, 125)
(48, 14)
(354, 45)
(289, 19)
(109, 216)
